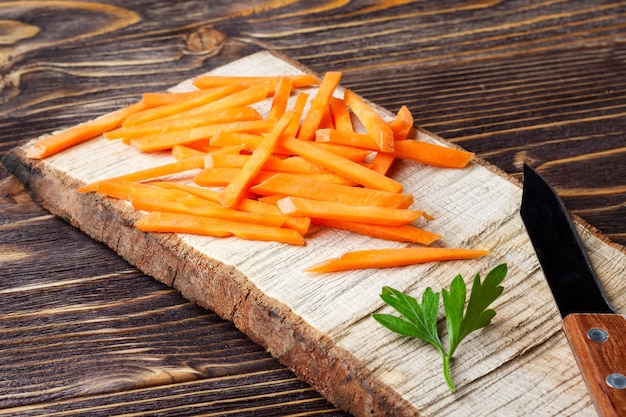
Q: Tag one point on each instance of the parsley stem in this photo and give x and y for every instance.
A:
(446, 372)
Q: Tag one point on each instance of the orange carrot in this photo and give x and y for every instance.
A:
(402, 124)
(403, 233)
(81, 133)
(152, 198)
(186, 223)
(297, 81)
(316, 209)
(236, 161)
(298, 164)
(382, 162)
(160, 112)
(281, 97)
(248, 141)
(318, 105)
(341, 166)
(242, 98)
(205, 208)
(180, 152)
(227, 115)
(239, 185)
(220, 177)
(348, 152)
(150, 173)
(431, 154)
(298, 110)
(165, 141)
(374, 124)
(161, 99)
(394, 257)
(401, 127)
(317, 190)
(346, 138)
(340, 114)
(251, 140)
(292, 164)
(327, 120)
(301, 224)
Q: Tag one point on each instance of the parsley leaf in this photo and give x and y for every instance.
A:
(420, 320)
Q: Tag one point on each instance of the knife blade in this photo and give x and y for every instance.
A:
(595, 332)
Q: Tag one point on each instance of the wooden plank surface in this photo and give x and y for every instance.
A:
(311, 323)
(93, 335)
(540, 82)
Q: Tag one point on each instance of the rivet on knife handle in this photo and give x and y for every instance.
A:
(599, 344)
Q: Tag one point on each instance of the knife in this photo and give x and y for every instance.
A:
(596, 334)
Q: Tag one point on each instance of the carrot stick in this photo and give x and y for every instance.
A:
(251, 140)
(401, 127)
(382, 162)
(319, 104)
(161, 99)
(346, 138)
(297, 81)
(298, 110)
(152, 198)
(375, 126)
(242, 98)
(228, 115)
(207, 209)
(431, 154)
(297, 206)
(248, 141)
(186, 223)
(402, 124)
(340, 114)
(293, 164)
(220, 177)
(301, 224)
(165, 141)
(237, 161)
(298, 164)
(341, 166)
(394, 257)
(159, 112)
(239, 185)
(317, 190)
(327, 120)
(281, 97)
(150, 173)
(180, 152)
(348, 152)
(404, 233)
(81, 133)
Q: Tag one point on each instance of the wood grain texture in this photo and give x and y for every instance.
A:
(299, 318)
(515, 81)
(83, 332)
(600, 357)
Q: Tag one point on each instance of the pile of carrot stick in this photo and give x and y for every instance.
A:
(312, 162)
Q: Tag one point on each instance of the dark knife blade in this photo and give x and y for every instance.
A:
(595, 333)
(571, 277)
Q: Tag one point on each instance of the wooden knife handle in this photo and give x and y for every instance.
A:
(599, 344)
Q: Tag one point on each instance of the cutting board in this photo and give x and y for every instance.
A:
(320, 325)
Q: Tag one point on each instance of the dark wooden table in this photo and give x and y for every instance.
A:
(83, 332)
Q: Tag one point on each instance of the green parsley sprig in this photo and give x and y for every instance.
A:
(420, 319)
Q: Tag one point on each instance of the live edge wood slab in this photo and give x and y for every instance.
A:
(320, 325)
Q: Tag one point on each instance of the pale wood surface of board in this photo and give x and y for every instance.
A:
(320, 325)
